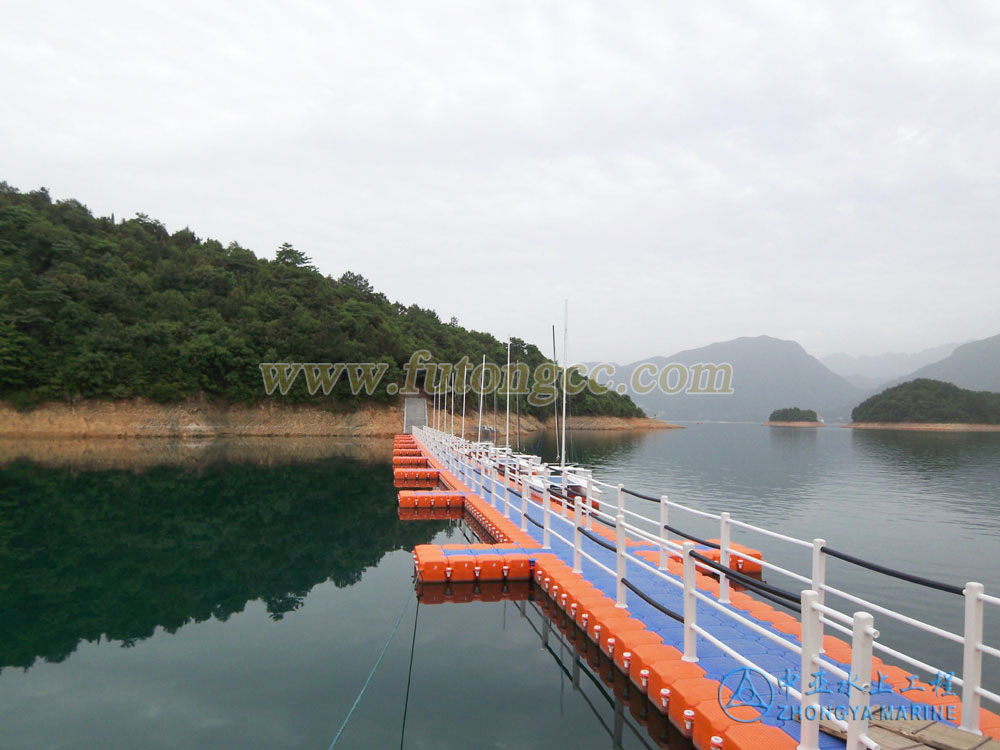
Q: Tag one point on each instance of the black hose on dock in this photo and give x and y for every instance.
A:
(919, 580)
(650, 601)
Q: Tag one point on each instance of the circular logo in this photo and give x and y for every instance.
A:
(750, 687)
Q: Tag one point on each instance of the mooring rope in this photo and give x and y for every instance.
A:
(370, 675)
(409, 676)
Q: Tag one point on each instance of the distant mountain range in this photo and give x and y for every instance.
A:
(770, 373)
(869, 371)
(975, 366)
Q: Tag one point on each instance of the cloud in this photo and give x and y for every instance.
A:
(682, 173)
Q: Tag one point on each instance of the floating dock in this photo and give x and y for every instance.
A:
(686, 621)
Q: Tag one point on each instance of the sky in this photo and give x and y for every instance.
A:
(681, 173)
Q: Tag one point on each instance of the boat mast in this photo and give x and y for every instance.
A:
(555, 401)
(506, 434)
(517, 400)
(463, 402)
(565, 376)
(482, 384)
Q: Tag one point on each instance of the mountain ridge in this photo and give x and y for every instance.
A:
(973, 366)
(767, 373)
(881, 368)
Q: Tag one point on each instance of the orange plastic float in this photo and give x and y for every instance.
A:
(624, 652)
(643, 657)
(662, 677)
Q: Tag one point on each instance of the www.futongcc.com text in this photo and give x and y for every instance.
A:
(541, 386)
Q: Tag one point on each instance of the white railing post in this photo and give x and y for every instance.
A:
(477, 467)
(690, 605)
(861, 671)
(494, 470)
(525, 489)
(620, 555)
(621, 499)
(812, 640)
(587, 508)
(577, 535)
(972, 658)
(819, 578)
(487, 476)
(546, 503)
(724, 557)
(506, 483)
(664, 506)
(565, 492)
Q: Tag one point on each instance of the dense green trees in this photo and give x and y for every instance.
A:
(932, 401)
(91, 308)
(793, 414)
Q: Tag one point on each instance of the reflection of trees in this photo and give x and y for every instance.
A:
(961, 465)
(922, 450)
(596, 447)
(117, 554)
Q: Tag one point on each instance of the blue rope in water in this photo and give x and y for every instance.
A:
(370, 675)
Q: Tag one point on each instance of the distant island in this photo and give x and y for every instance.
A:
(925, 404)
(793, 416)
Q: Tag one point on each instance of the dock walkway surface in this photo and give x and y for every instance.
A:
(724, 666)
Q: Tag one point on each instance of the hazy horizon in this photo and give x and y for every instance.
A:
(826, 174)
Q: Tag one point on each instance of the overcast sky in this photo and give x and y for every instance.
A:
(683, 173)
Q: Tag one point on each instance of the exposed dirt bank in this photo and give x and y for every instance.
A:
(616, 423)
(193, 419)
(794, 424)
(139, 418)
(925, 426)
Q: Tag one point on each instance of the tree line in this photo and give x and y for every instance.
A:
(793, 414)
(96, 308)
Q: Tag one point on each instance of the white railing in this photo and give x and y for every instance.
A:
(479, 463)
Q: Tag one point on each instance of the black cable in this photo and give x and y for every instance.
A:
(750, 583)
(597, 518)
(633, 493)
(651, 602)
(696, 540)
(796, 608)
(596, 539)
(920, 581)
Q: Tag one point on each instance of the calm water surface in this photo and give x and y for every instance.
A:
(243, 604)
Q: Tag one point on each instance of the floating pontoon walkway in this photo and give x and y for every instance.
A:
(729, 670)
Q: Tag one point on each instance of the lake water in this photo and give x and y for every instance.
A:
(241, 598)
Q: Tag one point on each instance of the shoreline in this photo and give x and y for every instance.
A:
(201, 419)
(925, 426)
(794, 424)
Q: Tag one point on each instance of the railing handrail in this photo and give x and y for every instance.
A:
(478, 458)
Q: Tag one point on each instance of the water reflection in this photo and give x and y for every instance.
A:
(118, 554)
(970, 456)
(139, 454)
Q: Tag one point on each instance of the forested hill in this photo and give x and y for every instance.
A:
(930, 401)
(91, 308)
